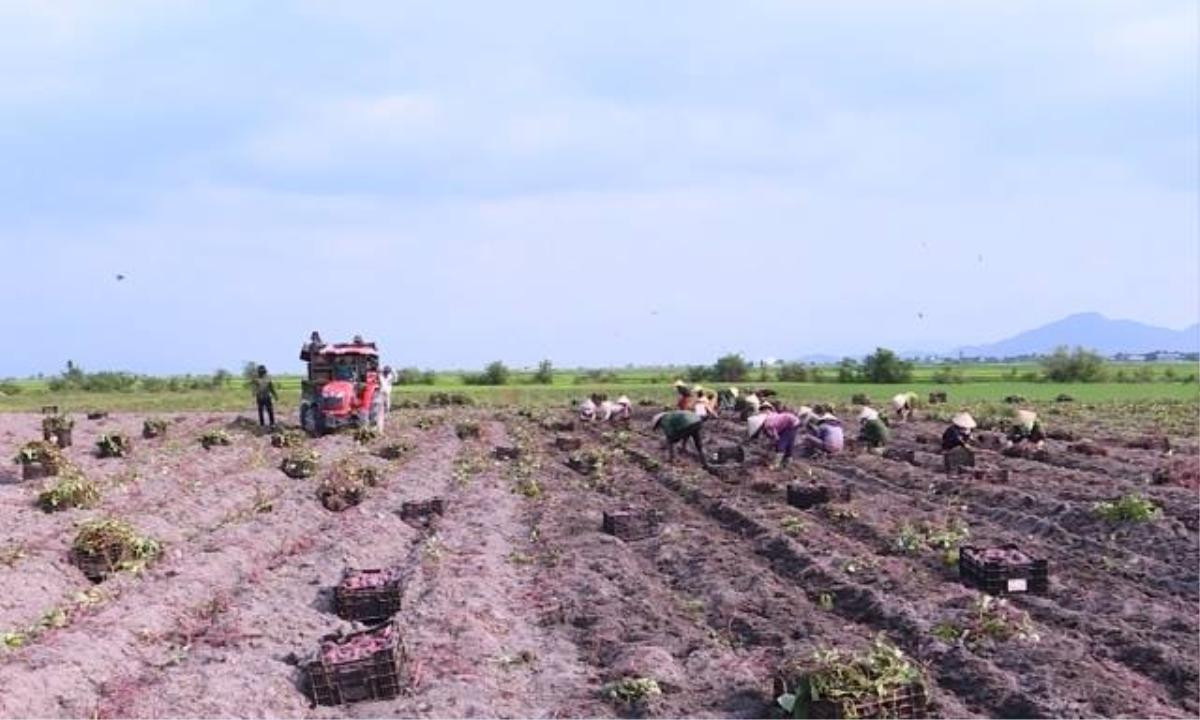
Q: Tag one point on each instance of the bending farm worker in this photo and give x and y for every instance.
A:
(264, 395)
(727, 399)
(959, 432)
(587, 410)
(824, 432)
(903, 404)
(872, 432)
(781, 428)
(684, 401)
(679, 426)
(619, 410)
(747, 405)
(1026, 427)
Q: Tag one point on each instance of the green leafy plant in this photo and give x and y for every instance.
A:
(113, 445)
(792, 525)
(915, 538)
(845, 680)
(1128, 508)
(632, 690)
(989, 621)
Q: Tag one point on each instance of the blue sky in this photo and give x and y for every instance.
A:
(599, 183)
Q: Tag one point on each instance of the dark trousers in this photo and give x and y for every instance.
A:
(264, 403)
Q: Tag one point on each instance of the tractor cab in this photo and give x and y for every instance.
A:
(340, 386)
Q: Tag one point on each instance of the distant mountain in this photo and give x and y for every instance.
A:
(1092, 331)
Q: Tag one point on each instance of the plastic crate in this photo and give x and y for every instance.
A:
(959, 457)
(377, 601)
(34, 471)
(910, 701)
(732, 453)
(373, 677)
(422, 512)
(632, 524)
(1001, 578)
(61, 438)
(807, 496)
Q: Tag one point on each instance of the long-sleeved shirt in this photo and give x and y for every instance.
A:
(777, 424)
(874, 433)
(831, 436)
(263, 387)
(676, 422)
(955, 437)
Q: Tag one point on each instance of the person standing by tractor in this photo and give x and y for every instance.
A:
(264, 395)
(386, 379)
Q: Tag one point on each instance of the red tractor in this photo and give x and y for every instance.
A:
(340, 389)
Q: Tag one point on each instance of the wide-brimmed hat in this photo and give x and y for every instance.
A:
(1026, 419)
(734, 391)
(964, 421)
(680, 384)
(754, 423)
(623, 400)
(868, 414)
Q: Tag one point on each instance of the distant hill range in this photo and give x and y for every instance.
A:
(1092, 331)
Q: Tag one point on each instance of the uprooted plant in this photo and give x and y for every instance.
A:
(40, 452)
(212, 438)
(346, 484)
(844, 680)
(113, 445)
(109, 545)
(365, 435)
(287, 438)
(71, 490)
(913, 538)
(153, 428)
(394, 451)
(988, 622)
(1128, 508)
(632, 690)
(300, 463)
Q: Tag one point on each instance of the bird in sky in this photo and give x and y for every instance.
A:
(120, 277)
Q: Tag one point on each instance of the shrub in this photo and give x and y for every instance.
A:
(730, 368)
(495, 373)
(287, 439)
(8, 387)
(948, 375)
(793, 372)
(544, 374)
(884, 366)
(413, 376)
(1077, 366)
(848, 370)
(698, 373)
(152, 384)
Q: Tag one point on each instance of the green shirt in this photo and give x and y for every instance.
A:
(677, 422)
(874, 433)
(263, 387)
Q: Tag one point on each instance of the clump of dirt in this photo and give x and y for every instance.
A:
(213, 438)
(394, 451)
(300, 464)
(1087, 447)
(153, 428)
(106, 546)
(1181, 471)
(467, 431)
(113, 445)
(365, 435)
(71, 490)
(1150, 442)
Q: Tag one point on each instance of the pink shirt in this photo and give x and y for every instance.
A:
(778, 423)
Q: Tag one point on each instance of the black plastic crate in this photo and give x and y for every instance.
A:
(630, 524)
(811, 495)
(372, 676)
(958, 458)
(371, 595)
(910, 701)
(1002, 577)
(422, 513)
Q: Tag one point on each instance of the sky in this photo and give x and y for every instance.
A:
(594, 183)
